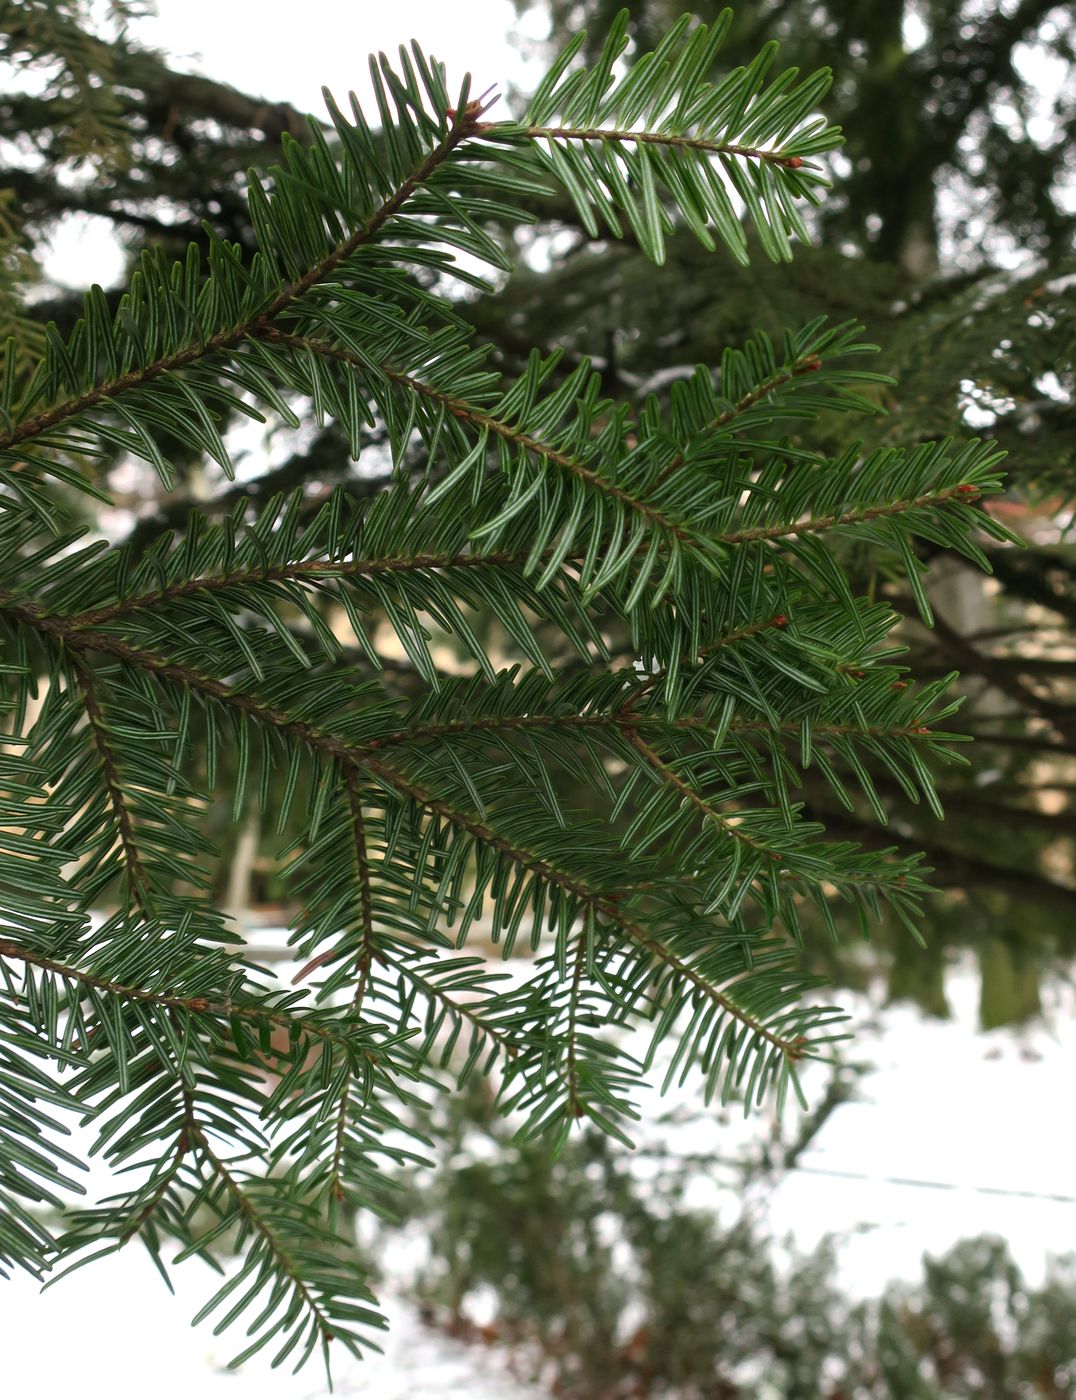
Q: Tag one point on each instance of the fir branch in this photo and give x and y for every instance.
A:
(686, 791)
(455, 1008)
(605, 904)
(362, 870)
(257, 1221)
(424, 809)
(364, 959)
(315, 571)
(805, 364)
(738, 634)
(493, 724)
(965, 493)
(475, 417)
(575, 1102)
(138, 885)
(102, 393)
(400, 783)
(195, 1006)
(84, 641)
(913, 730)
(176, 1159)
(301, 571)
(486, 724)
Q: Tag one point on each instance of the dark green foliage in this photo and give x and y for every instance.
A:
(632, 818)
(51, 39)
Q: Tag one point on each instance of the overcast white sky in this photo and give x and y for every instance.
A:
(265, 50)
(258, 47)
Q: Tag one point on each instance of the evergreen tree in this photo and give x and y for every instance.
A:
(695, 557)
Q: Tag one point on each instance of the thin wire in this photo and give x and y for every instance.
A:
(846, 1174)
(937, 1185)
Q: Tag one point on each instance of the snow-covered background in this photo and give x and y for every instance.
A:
(952, 1133)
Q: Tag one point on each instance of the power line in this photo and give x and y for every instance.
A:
(774, 1170)
(923, 1183)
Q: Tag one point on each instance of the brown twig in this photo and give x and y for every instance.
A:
(651, 138)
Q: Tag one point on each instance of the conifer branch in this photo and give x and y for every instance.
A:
(673, 780)
(142, 1218)
(178, 1155)
(138, 886)
(301, 571)
(454, 1008)
(485, 724)
(912, 731)
(195, 1006)
(806, 364)
(84, 641)
(604, 904)
(461, 128)
(493, 724)
(462, 793)
(365, 957)
(400, 783)
(739, 634)
(255, 1218)
(576, 1103)
(315, 571)
(964, 493)
(475, 417)
(366, 950)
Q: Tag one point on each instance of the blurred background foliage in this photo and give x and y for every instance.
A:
(603, 1278)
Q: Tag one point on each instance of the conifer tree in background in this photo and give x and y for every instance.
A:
(691, 557)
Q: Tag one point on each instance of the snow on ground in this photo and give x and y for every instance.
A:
(982, 1122)
(124, 1338)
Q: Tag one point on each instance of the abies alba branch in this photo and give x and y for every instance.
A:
(628, 635)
